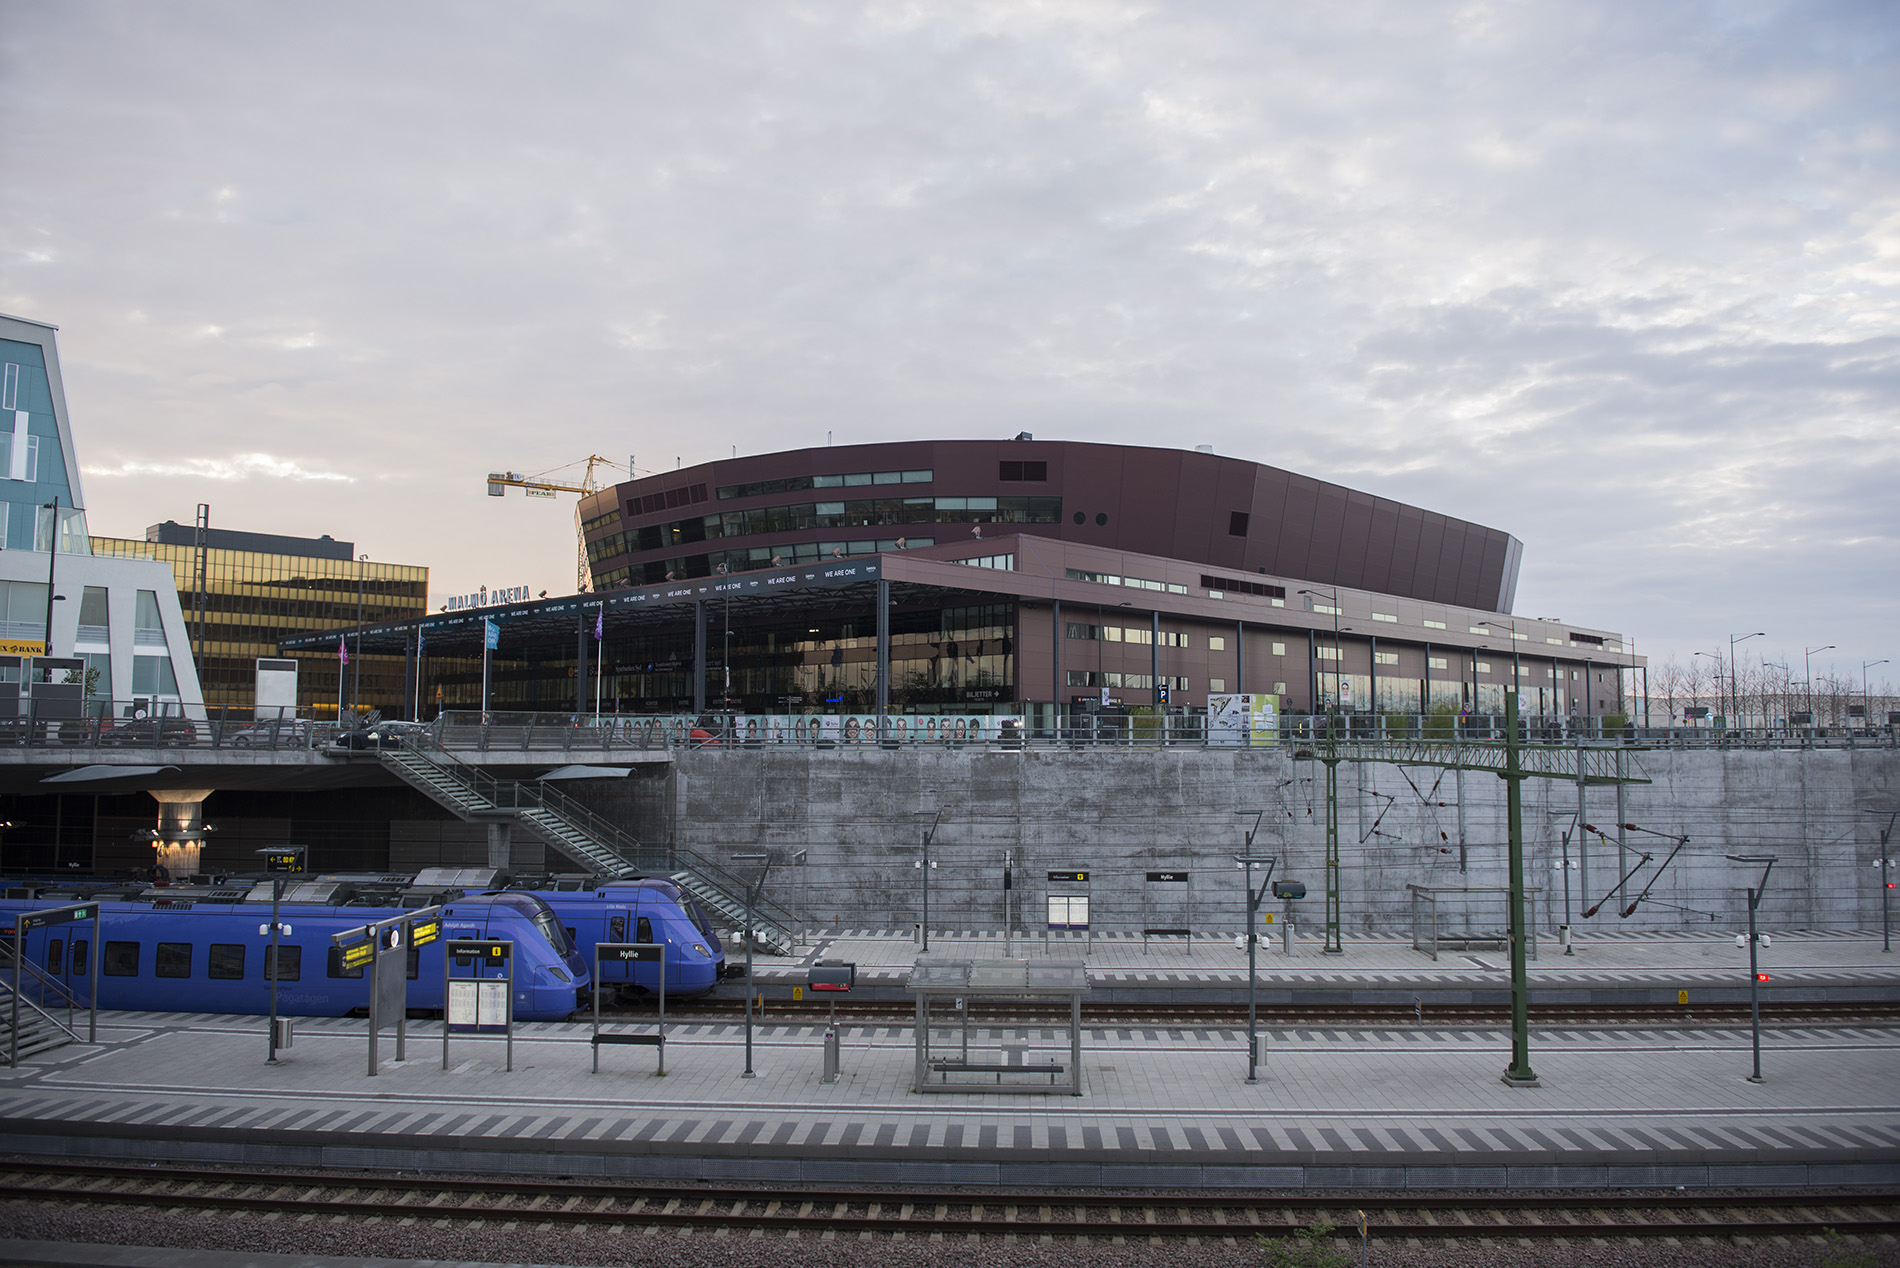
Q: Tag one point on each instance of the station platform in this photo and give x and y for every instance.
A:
(1605, 967)
(1417, 1107)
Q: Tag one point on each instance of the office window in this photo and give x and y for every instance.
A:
(1329, 653)
(1030, 472)
(1216, 643)
(1279, 689)
(1437, 662)
(1279, 649)
(121, 960)
(1237, 523)
(10, 386)
(1484, 666)
(290, 958)
(1217, 685)
(1433, 625)
(174, 959)
(1385, 616)
(226, 962)
(1386, 658)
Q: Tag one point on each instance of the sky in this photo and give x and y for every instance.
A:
(1621, 279)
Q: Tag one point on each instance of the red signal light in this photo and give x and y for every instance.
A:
(1761, 977)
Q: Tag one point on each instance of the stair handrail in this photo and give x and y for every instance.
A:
(7, 994)
(520, 794)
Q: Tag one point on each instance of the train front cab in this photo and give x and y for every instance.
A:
(641, 911)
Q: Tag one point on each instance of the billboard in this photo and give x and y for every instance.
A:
(1243, 720)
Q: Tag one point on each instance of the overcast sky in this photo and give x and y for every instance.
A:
(1621, 279)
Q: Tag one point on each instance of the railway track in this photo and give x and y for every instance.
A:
(875, 1013)
(559, 1204)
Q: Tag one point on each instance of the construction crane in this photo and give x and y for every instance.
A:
(541, 486)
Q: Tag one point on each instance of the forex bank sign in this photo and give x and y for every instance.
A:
(484, 597)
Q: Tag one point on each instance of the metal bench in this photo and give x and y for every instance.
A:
(948, 1068)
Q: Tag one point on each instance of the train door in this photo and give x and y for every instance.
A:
(618, 928)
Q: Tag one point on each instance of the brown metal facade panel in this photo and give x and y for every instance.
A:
(1148, 483)
(1381, 546)
(1469, 590)
(1295, 554)
(1431, 556)
(1329, 526)
(1091, 484)
(1266, 522)
(1355, 535)
(1491, 570)
(1196, 512)
(1404, 575)
(1233, 490)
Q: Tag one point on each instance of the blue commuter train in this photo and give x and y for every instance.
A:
(596, 910)
(204, 949)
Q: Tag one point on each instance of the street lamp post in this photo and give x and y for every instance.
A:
(1754, 969)
(1718, 671)
(1247, 862)
(1866, 700)
(1735, 683)
(1807, 658)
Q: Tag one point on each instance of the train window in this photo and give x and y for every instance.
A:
(291, 958)
(574, 937)
(415, 962)
(122, 959)
(617, 929)
(174, 959)
(55, 955)
(335, 967)
(226, 961)
(81, 965)
(646, 929)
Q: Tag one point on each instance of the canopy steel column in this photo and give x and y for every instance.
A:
(883, 653)
(580, 662)
(1154, 654)
(699, 656)
(1240, 659)
(1056, 685)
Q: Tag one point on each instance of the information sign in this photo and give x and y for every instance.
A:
(423, 932)
(1073, 878)
(1174, 877)
(478, 1006)
(283, 860)
(57, 916)
(357, 954)
(629, 953)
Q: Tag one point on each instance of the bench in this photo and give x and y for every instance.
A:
(651, 1041)
(948, 1068)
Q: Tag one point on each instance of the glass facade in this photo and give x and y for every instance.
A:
(253, 599)
(32, 464)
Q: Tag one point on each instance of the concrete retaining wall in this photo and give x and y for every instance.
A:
(861, 814)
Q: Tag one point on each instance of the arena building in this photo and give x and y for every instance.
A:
(1013, 577)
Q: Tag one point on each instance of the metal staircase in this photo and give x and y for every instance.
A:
(474, 796)
(39, 1030)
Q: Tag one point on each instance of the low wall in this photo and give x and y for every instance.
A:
(861, 814)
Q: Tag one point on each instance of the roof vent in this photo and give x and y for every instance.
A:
(1023, 435)
(1203, 449)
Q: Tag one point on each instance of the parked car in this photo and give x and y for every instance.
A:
(383, 735)
(167, 732)
(289, 733)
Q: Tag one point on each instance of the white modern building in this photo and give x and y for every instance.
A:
(120, 617)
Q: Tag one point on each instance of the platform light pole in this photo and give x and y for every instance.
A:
(924, 865)
(1735, 683)
(1807, 659)
(1886, 883)
(1519, 1073)
(1247, 862)
(1755, 974)
(764, 859)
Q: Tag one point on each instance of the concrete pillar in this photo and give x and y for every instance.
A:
(499, 844)
(1240, 660)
